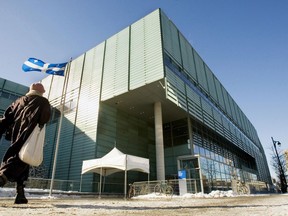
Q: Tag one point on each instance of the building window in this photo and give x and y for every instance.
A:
(175, 133)
(9, 95)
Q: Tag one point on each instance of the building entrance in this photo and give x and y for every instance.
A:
(192, 169)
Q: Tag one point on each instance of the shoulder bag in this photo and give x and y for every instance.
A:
(32, 150)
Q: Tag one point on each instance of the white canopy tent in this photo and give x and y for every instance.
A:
(115, 161)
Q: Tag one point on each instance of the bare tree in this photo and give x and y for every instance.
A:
(275, 163)
(209, 166)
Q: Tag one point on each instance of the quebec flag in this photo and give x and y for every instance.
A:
(33, 64)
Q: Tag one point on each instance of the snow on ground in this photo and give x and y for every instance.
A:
(33, 193)
(216, 203)
(40, 193)
(213, 194)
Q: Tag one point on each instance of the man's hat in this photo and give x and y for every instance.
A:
(37, 87)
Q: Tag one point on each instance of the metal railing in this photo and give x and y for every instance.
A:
(40, 183)
(253, 187)
(140, 188)
(147, 187)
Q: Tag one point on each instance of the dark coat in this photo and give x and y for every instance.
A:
(19, 120)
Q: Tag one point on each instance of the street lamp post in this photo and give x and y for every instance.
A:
(283, 181)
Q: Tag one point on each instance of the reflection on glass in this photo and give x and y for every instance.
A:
(196, 149)
(202, 151)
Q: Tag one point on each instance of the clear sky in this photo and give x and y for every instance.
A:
(244, 42)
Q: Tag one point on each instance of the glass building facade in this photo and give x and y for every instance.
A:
(147, 91)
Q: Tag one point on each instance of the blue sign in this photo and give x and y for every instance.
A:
(182, 174)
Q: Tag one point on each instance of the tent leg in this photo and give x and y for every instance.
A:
(100, 187)
(81, 183)
(104, 182)
(125, 185)
(148, 182)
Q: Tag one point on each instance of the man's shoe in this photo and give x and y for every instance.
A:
(20, 196)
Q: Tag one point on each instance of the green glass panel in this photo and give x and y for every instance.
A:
(170, 38)
(211, 84)
(146, 61)
(187, 58)
(202, 80)
(115, 74)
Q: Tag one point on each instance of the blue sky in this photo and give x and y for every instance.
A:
(244, 42)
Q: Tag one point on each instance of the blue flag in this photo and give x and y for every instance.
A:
(33, 64)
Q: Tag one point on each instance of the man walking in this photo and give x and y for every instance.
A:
(19, 120)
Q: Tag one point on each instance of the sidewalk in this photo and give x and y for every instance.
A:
(276, 204)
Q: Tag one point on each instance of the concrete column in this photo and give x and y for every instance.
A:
(160, 162)
(190, 131)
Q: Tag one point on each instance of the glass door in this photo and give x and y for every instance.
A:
(191, 166)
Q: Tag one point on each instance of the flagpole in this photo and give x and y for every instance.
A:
(62, 104)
